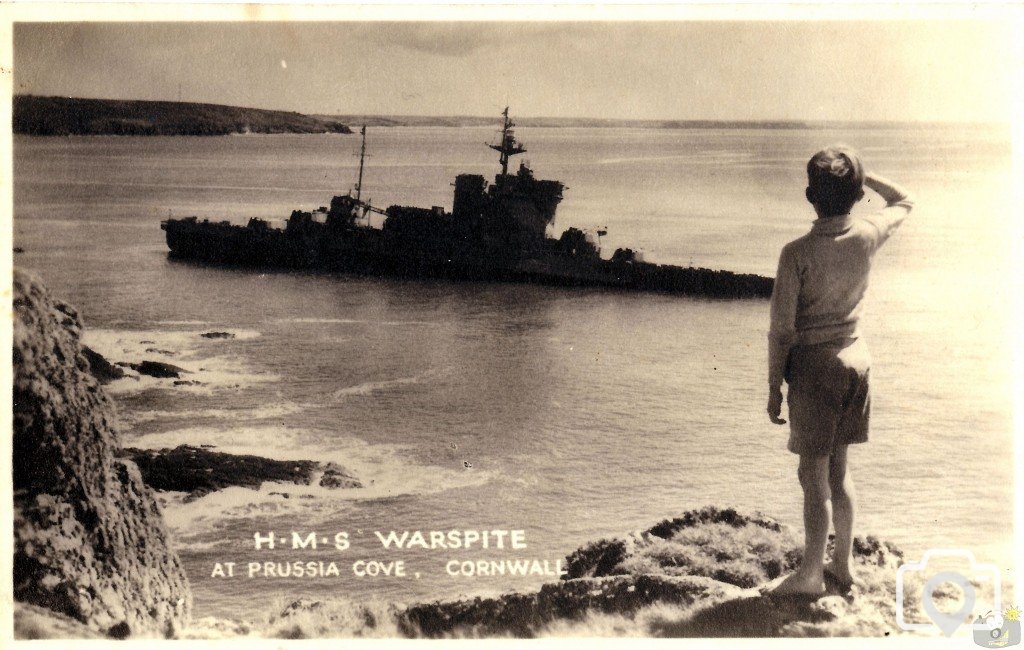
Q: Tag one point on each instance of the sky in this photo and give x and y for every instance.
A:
(922, 70)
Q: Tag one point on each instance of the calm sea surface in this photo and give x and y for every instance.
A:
(570, 414)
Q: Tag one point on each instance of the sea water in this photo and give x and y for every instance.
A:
(568, 414)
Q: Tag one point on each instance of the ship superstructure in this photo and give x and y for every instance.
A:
(495, 231)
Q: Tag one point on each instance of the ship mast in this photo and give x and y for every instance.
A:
(362, 158)
(509, 146)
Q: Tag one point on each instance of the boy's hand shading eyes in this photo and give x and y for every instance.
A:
(775, 405)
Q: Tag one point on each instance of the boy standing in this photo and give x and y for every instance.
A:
(815, 344)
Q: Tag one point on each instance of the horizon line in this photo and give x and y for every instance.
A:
(634, 120)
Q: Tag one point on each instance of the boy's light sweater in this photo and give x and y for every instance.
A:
(823, 277)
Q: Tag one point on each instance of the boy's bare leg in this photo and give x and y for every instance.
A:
(841, 484)
(810, 577)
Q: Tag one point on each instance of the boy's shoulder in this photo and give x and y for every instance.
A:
(796, 245)
(855, 226)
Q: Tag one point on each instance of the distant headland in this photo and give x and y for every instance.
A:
(34, 115)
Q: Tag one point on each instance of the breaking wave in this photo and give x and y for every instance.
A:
(203, 373)
(386, 471)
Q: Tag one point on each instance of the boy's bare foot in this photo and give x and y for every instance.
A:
(801, 583)
(839, 574)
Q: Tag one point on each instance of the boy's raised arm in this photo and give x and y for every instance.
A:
(888, 190)
(898, 204)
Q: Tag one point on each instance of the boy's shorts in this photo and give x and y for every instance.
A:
(829, 396)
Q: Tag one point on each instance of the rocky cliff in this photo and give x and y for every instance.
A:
(89, 541)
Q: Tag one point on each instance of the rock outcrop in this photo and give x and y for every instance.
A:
(722, 544)
(562, 603)
(703, 574)
(101, 369)
(157, 369)
(217, 335)
(89, 540)
(199, 471)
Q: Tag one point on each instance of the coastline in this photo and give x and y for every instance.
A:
(74, 116)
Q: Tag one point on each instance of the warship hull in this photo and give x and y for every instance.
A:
(373, 252)
(495, 232)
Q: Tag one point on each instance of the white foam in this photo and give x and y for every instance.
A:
(131, 345)
(370, 387)
(278, 442)
(324, 321)
(182, 322)
(199, 546)
(313, 504)
(224, 371)
(188, 519)
(186, 349)
(257, 413)
(350, 321)
(240, 335)
(384, 470)
(133, 382)
(211, 381)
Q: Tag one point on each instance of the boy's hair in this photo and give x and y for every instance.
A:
(835, 180)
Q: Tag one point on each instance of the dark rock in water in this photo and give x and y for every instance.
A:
(100, 368)
(168, 353)
(190, 469)
(199, 471)
(217, 335)
(188, 382)
(335, 477)
(157, 369)
(89, 542)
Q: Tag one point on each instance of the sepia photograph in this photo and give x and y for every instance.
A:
(520, 323)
